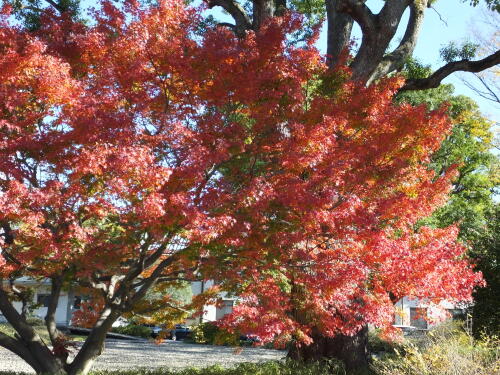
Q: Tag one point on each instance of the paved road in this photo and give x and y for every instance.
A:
(173, 354)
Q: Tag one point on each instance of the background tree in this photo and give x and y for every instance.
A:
(485, 41)
(485, 316)
(472, 200)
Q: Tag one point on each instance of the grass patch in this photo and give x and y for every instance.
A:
(41, 330)
(266, 368)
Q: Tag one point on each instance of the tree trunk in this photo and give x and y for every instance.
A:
(94, 344)
(351, 350)
(27, 344)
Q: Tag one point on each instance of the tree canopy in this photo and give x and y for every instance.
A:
(138, 152)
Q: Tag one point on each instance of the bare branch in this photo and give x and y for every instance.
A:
(227, 24)
(439, 15)
(464, 65)
(489, 94)
(378, 31)
(58, 7)
(151, 280)
(262, 10)
(27, 334)
(50, 317)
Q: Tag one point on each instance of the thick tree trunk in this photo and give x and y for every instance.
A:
(339, 32)
(28, 344)
(351, 350)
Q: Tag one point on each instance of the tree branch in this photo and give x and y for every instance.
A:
(240, 16)
(31, 340)
(378, 31)
(359, 12)
(17, 347)
(58, 7)
(93, 345)
(396, 59)
(489, 94)
(50, 317)
(464, 65)
(339, 32)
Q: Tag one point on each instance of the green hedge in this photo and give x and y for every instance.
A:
(133, 330)
(266, 368)
(210, 333)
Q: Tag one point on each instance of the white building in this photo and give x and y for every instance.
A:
(409, 312)
(69, 301)
(422, 315)
(211, 312)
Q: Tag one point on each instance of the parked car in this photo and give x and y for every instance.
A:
(250, 338)
(155, 330)
(180, 332)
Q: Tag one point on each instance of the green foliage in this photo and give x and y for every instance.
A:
(493, 5)
(448, 350)
(454, 52)
(486, 251)
(468, 146)
(29, 11)
(210, 333)
(414, 69)
(133, 330)
(166, 304)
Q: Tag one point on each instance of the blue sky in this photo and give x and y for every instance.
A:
(460, 19)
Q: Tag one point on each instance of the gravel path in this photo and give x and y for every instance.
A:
(121, 355)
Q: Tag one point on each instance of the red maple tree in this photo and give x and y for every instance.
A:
(137, 152)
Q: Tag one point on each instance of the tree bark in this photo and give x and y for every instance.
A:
(262, 11)
(434, 80)
(339, 32)
(28, 345)
(94, 344)
(351, 350)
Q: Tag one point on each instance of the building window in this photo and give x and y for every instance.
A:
(77, 302)
(43, 300)
(457, 314)
(228, 307)
(417, 317)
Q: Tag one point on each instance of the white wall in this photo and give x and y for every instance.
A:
(435, 314)
(61, 311)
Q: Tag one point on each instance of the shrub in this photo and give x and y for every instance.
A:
(210, 333)
(376, 344)
(133, 330)
(34, 321)
(447, 350)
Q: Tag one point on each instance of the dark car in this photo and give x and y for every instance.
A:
(180, 332)
(155, 330)
(250, 339)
